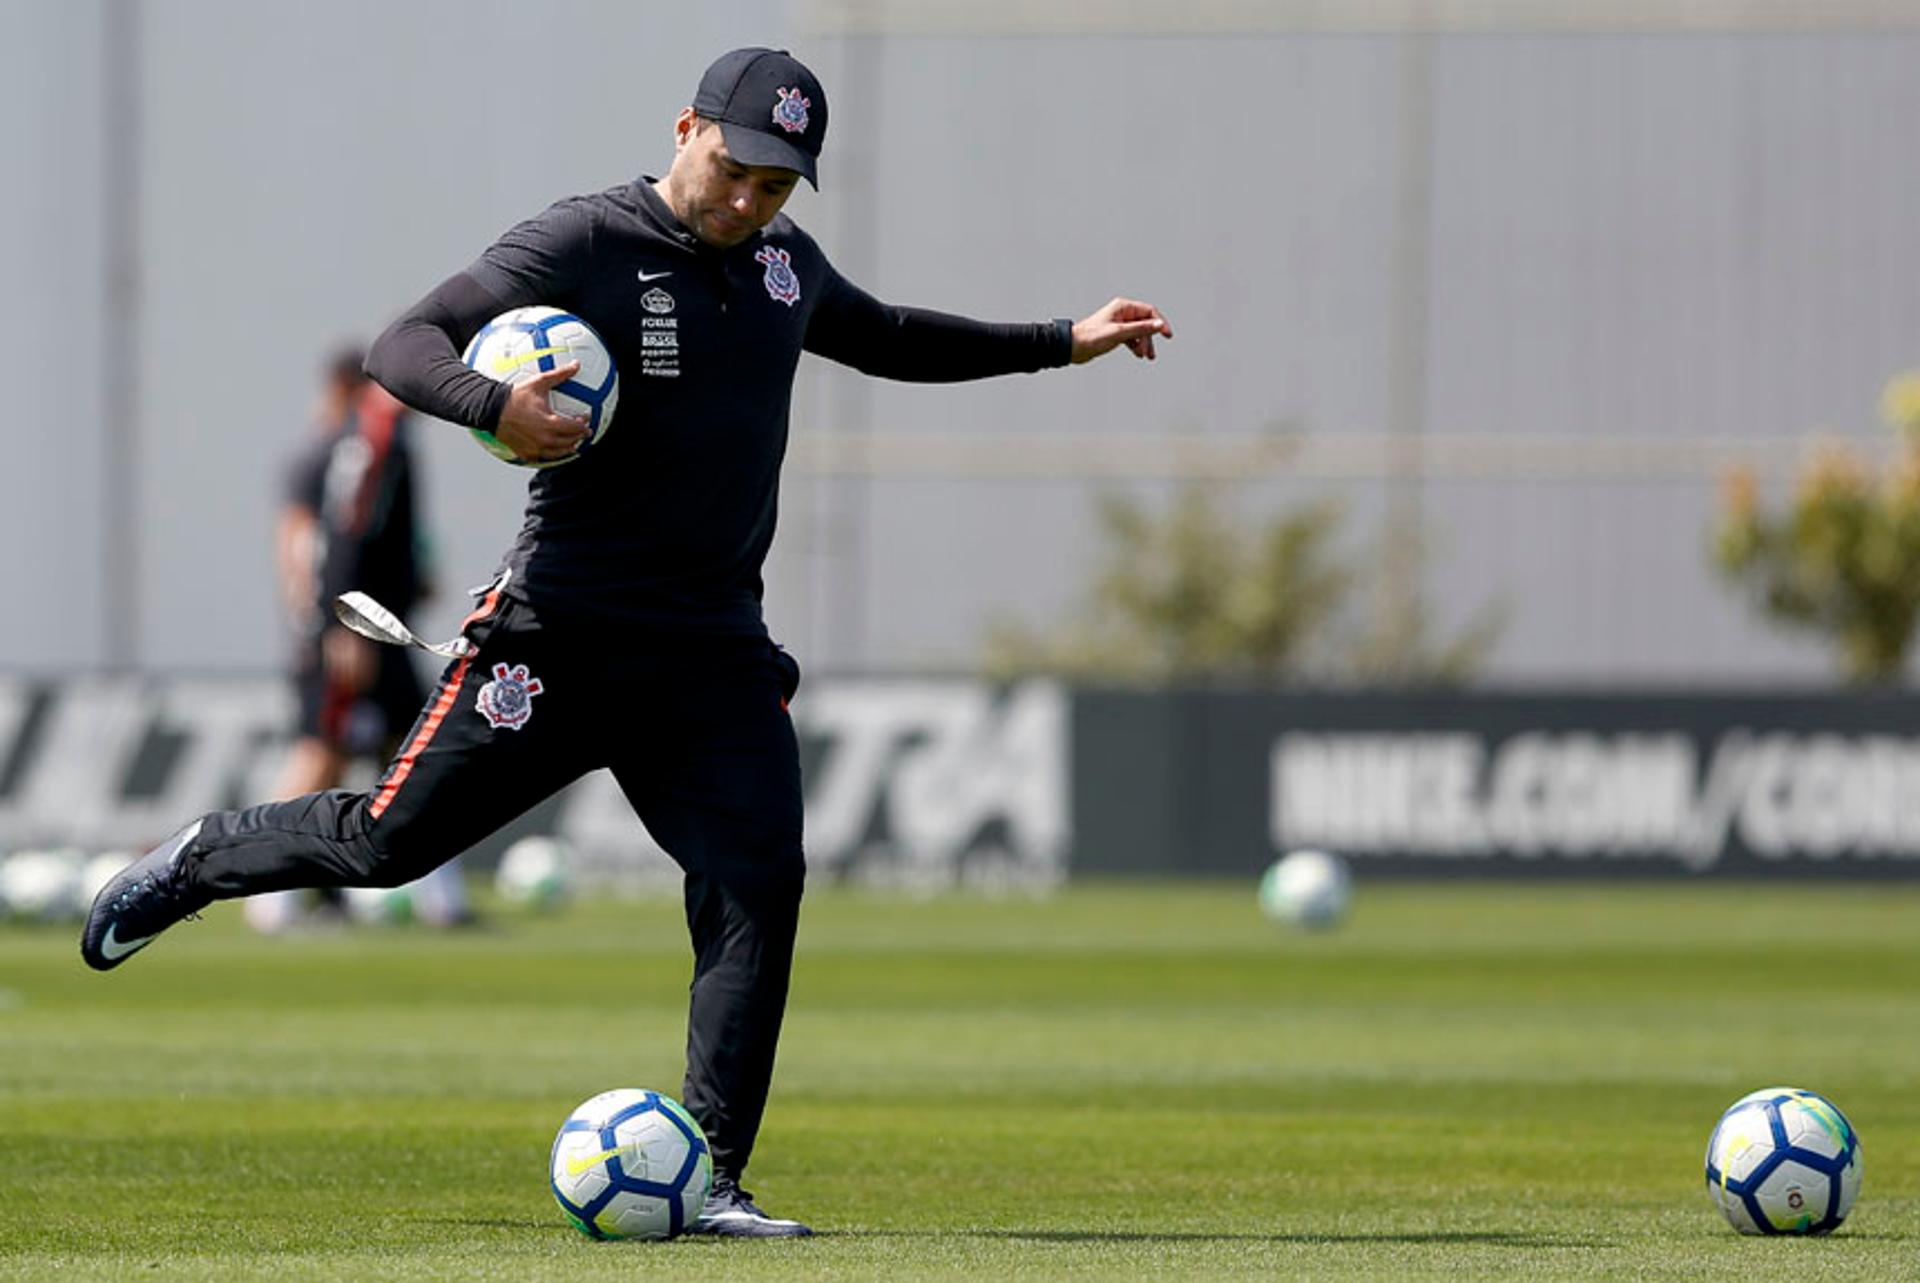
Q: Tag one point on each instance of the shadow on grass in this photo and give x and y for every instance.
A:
(1441, 1238)
(1491, 1238)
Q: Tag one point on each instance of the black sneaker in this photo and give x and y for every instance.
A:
(730, 1212)
(140, 902)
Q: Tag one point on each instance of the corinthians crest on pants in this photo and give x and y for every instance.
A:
(782, 284)
(507, 700)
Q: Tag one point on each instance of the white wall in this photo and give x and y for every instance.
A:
(52, 606)
(1662, 235)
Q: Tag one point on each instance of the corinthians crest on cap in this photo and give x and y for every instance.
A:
(507, 700)
(781, 282)
(790, 113)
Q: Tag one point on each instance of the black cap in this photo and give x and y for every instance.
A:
(771, 109)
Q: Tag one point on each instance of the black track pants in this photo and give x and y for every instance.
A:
(697, 735)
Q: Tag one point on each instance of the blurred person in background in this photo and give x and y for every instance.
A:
(625, 629)
(349, 519)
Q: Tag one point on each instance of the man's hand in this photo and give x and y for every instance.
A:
(349, 661)
(294, 540)
(1124, 320)
(529, 427)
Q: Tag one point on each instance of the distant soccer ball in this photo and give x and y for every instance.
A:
(631, 1164)
(437, 898)
(515, 346)
(440, 896)
(533, 873)
(100, 870)
(273, 912)
(42, 886)
(1306, 889)
(379, 906)
(1783, 1161)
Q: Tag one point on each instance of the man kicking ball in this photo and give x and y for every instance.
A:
(625, 630)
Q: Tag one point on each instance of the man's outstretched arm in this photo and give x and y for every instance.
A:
(922, 346)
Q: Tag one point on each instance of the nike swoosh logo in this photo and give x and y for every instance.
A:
(577, 1165)
(506, 363)
(651, 276)
(113, 950)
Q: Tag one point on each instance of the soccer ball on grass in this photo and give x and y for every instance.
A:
(631, 1163)
(527, 341)
(1306, 889)
(1783, 1161)
(533, 873)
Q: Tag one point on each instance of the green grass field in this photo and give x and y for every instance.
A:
(1118, 1083)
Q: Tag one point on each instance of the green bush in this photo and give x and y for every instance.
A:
(1195, 595)
(1842, 557)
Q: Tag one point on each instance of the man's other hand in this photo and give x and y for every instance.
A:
(1124, 320)
(529, 427)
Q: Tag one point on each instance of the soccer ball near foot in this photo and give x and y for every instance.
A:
(1306, 889)
(1783, 1161)
(631, 1163)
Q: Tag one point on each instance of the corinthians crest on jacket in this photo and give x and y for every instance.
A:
(780, 280)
